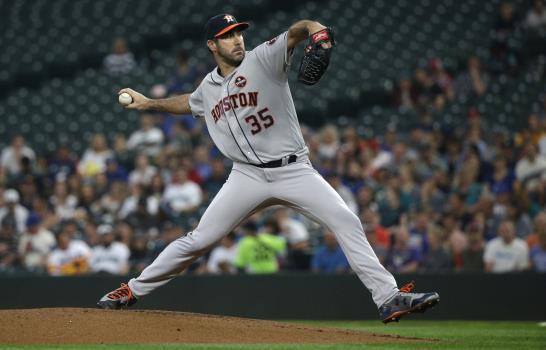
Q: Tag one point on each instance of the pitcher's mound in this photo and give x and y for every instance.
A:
(93, 326)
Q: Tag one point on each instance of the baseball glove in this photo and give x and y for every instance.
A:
(316, 58)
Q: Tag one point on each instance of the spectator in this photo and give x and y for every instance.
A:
(536, 17)
(472, 256)
(141, 256)
(8, 247)
(521, 219)
(431, 194)
(72, 227)
(377, 235)
(71, 257)
(329, 142)
(130, 202)
(473, 82)
(222, 257)
(405, 95)
(64, 204)
(329, 257)
(141, 220)
(94, 159)
(123, 157)
(120, 60)
(402, 257)
(180, 140)
(182, 195)
(437, 258)
(503, 57)
(506, 253)
(505, 24)
(12, 212)
(531, 168)
(110, 203)
(30, 187)
(366, 198)
(115, 172)
(87, 207)
(186, 76)
(441, 78)
(538, 254)
(354, 176)
(62, 165)
(426, 89)
(419, 234)
(35, 244)
(13, 155)
(216, 179)
(502, 179)
(409, 189)
(456, 239)
(143, 172)
(467, 184)
(476, 148)
(390, 208)
(154, 194)
(148, 139)
(109, 256)
(201, 162)
(296, 235)
(429, 162)
(257, 252)
(539, 228)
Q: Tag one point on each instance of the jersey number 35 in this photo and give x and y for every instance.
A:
(264, 122)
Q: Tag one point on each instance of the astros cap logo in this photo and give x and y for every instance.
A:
(222, 24)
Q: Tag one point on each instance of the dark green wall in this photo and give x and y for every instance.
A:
(295, 296)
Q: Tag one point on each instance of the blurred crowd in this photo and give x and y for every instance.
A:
(431, 199)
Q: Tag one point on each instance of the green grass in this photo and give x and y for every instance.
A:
(449, 334)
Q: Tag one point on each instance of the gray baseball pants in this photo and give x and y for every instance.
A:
(249, 189)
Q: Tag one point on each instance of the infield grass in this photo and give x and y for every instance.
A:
(447, 335)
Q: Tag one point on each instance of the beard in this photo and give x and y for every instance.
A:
(230, 58)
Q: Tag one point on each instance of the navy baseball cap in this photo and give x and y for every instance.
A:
(221, 24)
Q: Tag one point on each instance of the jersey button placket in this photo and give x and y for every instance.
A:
(232, 121)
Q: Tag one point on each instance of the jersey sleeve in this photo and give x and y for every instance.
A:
(275, 57)
(196, 102)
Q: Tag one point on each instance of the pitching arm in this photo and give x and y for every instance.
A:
(174, 105)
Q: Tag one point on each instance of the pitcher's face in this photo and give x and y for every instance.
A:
(230, 47)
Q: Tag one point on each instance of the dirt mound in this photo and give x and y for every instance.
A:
(93, 326)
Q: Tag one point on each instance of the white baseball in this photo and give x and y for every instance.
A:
(125, 99)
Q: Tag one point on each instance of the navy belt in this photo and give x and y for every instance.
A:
(278, 163)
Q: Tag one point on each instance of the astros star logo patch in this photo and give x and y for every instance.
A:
(229, 18)
(240, 81)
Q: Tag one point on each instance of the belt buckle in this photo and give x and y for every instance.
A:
(284, 160)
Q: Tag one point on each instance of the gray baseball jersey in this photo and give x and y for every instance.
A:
(250, 116)
(250, 113)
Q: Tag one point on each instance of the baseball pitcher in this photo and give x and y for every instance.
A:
(250, 115)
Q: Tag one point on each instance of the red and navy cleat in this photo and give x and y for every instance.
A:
(405, 303)
(116, 299)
